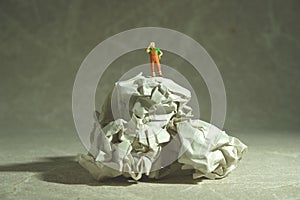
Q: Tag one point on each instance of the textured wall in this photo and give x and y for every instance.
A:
(254, 43)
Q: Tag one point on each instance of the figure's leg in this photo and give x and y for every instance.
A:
(159, 68)
(152, 69)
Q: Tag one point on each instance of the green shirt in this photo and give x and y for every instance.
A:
(156, 49)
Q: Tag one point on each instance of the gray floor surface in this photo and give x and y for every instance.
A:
(42, 166)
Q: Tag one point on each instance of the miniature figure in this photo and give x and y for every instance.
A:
(155, 56)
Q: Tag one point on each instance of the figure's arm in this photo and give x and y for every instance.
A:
(148, 49)
(160, 54)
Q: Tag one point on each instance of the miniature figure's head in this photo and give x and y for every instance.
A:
(152, 45)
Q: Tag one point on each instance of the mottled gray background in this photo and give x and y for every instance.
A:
(255, 44)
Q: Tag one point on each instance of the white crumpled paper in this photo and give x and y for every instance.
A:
(146, 127)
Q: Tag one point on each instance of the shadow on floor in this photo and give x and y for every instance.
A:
(66, 170)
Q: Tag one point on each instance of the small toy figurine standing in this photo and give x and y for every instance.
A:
(155, 56)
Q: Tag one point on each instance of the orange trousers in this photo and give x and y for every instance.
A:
(155, 60)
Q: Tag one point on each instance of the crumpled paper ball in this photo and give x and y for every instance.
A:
(146, 127)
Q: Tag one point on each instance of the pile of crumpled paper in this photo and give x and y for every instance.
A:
(146, 127)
